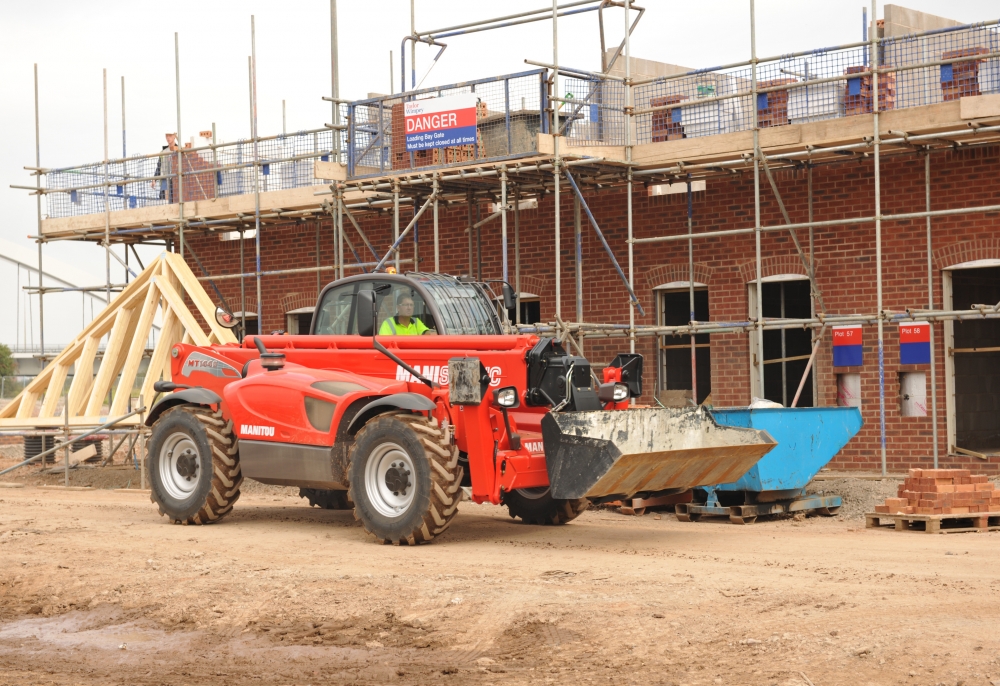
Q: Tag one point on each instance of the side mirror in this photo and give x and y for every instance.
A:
(226, 319)
(509, 297)
(366, 313)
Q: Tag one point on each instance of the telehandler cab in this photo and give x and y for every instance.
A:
(395, 425)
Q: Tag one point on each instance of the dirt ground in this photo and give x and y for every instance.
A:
(96, 588)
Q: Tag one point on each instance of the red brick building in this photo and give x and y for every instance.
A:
(965, 258)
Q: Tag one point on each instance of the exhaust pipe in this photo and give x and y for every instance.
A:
(644, 450)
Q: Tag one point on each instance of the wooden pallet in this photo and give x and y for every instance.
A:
(936, 524)
(638, 506)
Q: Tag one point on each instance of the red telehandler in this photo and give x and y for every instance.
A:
(395, 425)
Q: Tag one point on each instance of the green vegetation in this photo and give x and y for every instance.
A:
(7, 365)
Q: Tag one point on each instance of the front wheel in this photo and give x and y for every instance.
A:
(404, 478)
(194, 465)
(537, 506)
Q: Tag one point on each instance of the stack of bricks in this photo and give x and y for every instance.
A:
(964, 75)
(775, 111)
(943, 491)
(861, 101)
(667, 124)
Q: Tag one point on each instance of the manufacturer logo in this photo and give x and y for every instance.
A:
(255, 430)
(534, 446)
(199, 362)
(439, 374)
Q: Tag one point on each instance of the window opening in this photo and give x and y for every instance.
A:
(674, 379)
(975, 354)
(787, 351)
(531, 310)
(299, 321)
(251, 322)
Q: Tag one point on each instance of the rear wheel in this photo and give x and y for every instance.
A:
(404, 478)
(537, 506)
(194, 465)
(328, 500)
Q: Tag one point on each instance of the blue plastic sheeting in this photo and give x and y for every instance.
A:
(808, 438)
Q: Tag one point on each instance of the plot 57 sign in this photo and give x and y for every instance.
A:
(440, 122)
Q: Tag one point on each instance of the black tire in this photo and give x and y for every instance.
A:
(415, 455)
(327, 500)
(537, 506)
(194, 465)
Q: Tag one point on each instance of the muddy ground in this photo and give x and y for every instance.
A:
(96, 588)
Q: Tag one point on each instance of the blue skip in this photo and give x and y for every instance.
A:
(808, 438)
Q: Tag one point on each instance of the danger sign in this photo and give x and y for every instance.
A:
(440, 122)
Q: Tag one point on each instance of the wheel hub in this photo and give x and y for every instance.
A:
(179, 466)
(187, 464)
(397, 478)
(390, 481)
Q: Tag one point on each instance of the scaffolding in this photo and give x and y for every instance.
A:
(534, 139)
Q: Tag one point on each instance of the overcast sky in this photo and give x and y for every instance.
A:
(73, 41)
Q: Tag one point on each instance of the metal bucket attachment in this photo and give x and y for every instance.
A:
(624, 452)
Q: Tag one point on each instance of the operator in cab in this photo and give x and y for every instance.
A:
(404, 323)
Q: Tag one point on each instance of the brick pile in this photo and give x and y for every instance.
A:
(775, 113)
(664, 126)
(943, 491)
(965, 74)
(863, 102)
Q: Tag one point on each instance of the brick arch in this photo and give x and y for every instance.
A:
(534, 284)
(967, 251)
(772, 266)
(294, 301)
(251, 303)
(678, 271)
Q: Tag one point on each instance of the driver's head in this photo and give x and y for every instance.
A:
(404, 306)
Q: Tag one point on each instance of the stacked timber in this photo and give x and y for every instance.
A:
(943, 491)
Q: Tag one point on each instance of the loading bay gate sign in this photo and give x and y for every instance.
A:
(440, 122)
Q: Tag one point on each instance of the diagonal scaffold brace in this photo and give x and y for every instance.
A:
(350, 245)
(395, 246)
(604, 242)
(807, 263)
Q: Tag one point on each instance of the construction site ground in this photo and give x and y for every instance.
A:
(95, 587)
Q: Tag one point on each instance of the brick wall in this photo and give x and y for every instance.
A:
(845, 258)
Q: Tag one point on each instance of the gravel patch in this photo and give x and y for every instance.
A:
(860, 495)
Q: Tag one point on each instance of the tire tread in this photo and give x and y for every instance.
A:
(226, 473)
(445, 475)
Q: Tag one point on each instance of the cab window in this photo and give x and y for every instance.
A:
(336, 312)
(388, 298)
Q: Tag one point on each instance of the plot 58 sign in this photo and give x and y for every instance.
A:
(440, 122)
